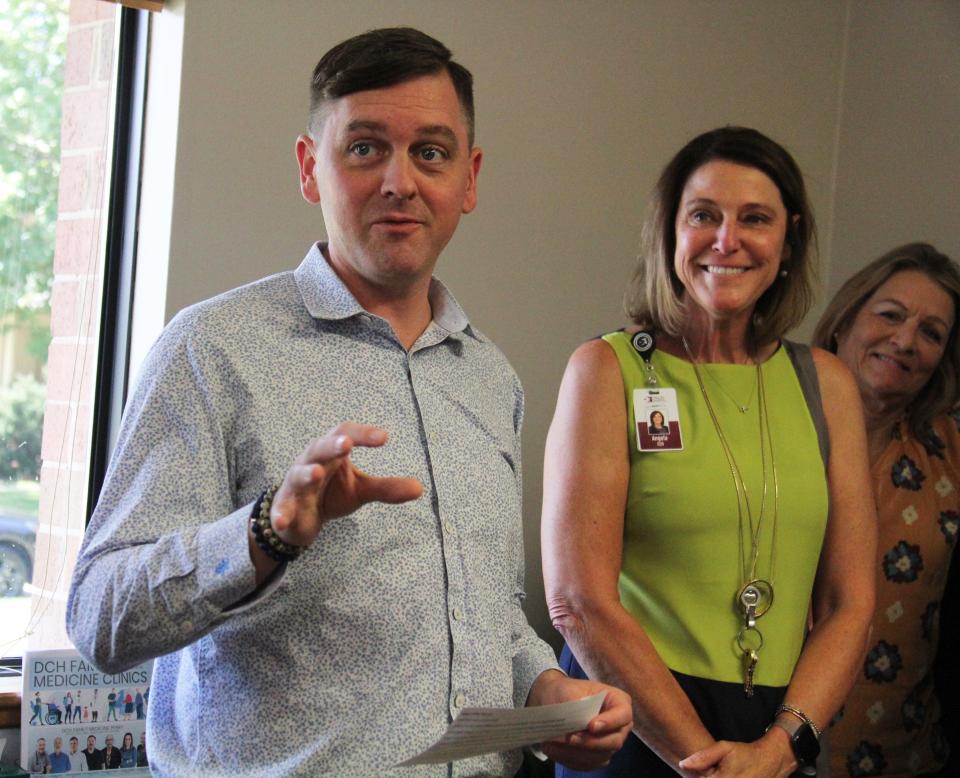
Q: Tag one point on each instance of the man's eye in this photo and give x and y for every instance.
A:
(361, 149)
(432, 154)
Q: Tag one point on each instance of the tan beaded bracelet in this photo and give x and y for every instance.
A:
(265, 536)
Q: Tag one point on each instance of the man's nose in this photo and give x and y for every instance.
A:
(399, 178)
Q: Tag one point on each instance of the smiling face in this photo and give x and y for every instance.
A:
(897, 339)
(731, 228)
(656, 419)
(393, 172)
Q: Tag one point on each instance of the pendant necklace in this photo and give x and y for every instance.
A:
(742, 407)
(754, 595)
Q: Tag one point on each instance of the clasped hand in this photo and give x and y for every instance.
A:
(768, 757)
(323, 484)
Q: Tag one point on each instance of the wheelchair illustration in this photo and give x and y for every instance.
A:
(54, 714)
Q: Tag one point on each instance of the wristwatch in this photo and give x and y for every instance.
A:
(803, 741)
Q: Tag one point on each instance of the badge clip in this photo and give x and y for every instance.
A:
(644, 343)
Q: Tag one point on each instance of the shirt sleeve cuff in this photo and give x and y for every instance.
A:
(528, 665)
(225, 573)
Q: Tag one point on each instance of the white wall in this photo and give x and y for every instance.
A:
(579, 106)
(899, 150)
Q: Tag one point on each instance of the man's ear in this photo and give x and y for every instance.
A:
(470, 196)
(307, 161)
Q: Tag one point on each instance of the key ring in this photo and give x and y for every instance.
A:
(742, 639)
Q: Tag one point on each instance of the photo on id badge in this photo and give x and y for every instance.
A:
(657, 420)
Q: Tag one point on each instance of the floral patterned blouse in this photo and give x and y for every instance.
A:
(890, 724)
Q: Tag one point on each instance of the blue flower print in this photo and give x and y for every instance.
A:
(933, 443)
(913, 711)
(883, 663)
(865, 760)
(906, 475)
(928, 620)
(902, 563)
(949, 523)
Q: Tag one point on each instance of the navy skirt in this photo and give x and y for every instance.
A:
(726, 712)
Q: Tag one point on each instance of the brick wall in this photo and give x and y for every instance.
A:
(75, 311)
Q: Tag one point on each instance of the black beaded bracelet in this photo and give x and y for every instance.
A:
(265, 536)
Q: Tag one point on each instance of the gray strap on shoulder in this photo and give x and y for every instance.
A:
(802, 359)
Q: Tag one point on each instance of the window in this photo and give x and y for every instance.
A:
(65, 292)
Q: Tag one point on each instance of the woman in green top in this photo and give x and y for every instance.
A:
(682, 566)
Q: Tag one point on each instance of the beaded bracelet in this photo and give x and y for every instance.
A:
(265, 536)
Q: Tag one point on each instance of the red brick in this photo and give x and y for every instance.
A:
(70, 370)
(85, 119)
(85, 11)
(74, 184)
(56, 429)
(77, 248)
(81, 439)
(89, 316)
(105, 52)
(107, 10)
(79, 65)
(63, 495)
(65, 301)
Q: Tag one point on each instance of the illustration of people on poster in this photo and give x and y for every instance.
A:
(76, 719)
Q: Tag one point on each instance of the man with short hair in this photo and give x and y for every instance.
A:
(40, 763)
(92, 754)
(374, 590)
(111, 754)
(78, 763)
(59, 761)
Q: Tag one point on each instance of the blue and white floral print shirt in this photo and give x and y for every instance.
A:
(361, 651)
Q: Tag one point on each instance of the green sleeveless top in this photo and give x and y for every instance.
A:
(680, 571)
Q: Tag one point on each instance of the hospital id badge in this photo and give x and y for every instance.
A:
(657, 419)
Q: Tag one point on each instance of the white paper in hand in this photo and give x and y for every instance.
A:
(486, 730)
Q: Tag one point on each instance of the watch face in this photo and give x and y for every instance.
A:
(806, 747)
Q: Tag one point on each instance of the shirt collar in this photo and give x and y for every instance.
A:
(327, 297)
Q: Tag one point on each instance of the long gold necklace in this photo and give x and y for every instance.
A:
(755, 595)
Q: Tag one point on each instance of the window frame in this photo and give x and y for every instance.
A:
(118, 277)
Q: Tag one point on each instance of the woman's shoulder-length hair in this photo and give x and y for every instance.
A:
(654, 294)
(941, 393)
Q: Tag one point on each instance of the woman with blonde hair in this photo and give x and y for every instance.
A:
(894, 325)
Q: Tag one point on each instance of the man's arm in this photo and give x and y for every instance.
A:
(167, 553)
(323, 484)
(607, 731)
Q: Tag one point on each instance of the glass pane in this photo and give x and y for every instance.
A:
(56, 67)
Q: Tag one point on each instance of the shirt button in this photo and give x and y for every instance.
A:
(448, 527)
(459, 700)
(458, 613)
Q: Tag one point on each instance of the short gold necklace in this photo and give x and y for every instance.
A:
(742, 407)
(755, 595)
